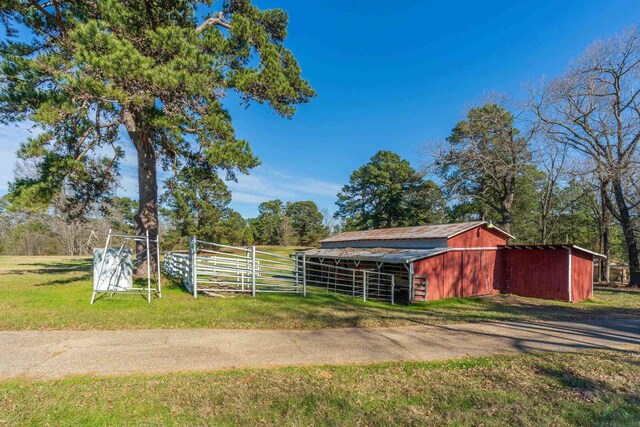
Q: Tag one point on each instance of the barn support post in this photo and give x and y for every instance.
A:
(393, 288)
(353, 284)
(364, 285)
(569, 275)
(193, 263)
(411, 277)
(378, 268)
(592, 266)
(253, 271)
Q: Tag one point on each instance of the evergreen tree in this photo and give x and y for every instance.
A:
(82, 70)
(268, 225)
(233, 229)
(485, 158)
(306, 222)
(120, 211)
(388, 192)
(196, 204)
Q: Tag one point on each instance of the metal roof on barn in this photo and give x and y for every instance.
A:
(555, 246)
(375, 254)
(435, 231)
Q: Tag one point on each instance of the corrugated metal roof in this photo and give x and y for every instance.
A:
(436, 231)
(375, 254)
(555, 246)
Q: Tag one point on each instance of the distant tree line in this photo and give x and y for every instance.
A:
(193, 205)
(52, 232)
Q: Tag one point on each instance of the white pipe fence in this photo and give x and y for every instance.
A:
(216, 268)
(176, 264)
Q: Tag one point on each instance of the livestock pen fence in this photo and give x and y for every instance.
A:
(215, 269)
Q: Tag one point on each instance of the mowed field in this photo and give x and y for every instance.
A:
(568, 389)
(54, 293)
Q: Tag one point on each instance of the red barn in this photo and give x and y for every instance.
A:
(461, 260)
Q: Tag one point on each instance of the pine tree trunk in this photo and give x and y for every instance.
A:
(146, 219)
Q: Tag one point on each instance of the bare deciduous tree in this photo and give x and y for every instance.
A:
(485, 156)
(551, 159)
(594, 108)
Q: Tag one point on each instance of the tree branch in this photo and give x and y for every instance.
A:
(217, 20)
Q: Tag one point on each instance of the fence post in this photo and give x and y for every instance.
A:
(393, 288)
(253, 271)
(148, 265)
(353, 285)
(304, 274)
(158, 266)
(193, 257)
(364, 285)
(296, 272)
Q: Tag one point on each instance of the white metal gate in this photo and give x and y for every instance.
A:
(216, 268)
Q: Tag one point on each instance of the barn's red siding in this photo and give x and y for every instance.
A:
(493, 271)
(534, 273)
(581, 276)
(465, 273)
(453, 274)
(537, 273)
(479, 237)
(461, 273)
(432, 268)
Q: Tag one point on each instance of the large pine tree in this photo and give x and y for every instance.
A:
(84, 70)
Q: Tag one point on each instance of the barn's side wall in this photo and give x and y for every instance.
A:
(533, 273)
(537, 273)
(479, 237)
(581, 276)
(461, 273)
(464, 271)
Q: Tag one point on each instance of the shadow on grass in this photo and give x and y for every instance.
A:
(344, 311)
(624, 291)
(44, 268)
(67, 281)
(569, 379)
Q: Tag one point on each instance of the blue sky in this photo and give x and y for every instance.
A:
(390, 75)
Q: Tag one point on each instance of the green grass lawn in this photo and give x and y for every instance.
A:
(54, 293)
(587, 388)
